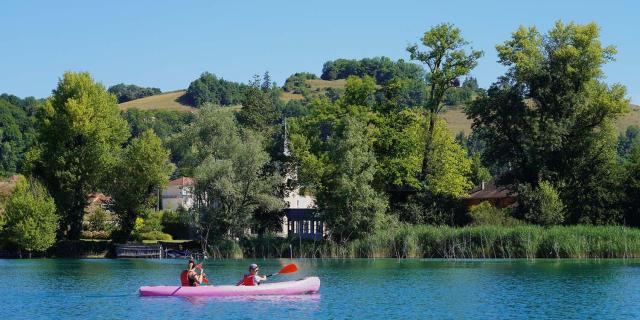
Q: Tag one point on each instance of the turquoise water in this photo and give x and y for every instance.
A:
(350, 289)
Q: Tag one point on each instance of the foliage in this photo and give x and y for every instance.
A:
(462, 95)
(627, 141)
(382, 69)
(297, 83)
(486, 214)
(164, 123)
(98, 220)
(16, 134)
(541, 205)
(139, 174)
(128, 92)
(446, 60)
(359, 92)
(229, 169)
(175, 223)
(550, 117)
(31, 216)
(209, 89)
(450, 169)
(632, 188)
(155, 235)
(260, 108)
(80, 132)
(341, 178)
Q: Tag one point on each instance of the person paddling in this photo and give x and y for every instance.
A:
(189, 277)
(252, 279)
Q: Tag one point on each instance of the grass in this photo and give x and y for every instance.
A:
(477, 242)
(166, 101)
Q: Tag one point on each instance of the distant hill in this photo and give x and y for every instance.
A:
(455, 117)
(167, 101)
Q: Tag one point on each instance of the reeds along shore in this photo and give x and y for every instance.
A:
(479, 242)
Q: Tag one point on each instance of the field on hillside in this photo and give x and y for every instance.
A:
(167, 101)
(455, 117)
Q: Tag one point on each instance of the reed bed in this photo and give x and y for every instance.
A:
(472, 242)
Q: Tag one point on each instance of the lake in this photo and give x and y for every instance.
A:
(350, 289)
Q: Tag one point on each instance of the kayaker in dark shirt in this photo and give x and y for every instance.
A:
(190, 277)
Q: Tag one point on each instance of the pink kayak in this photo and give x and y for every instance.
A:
(302, 286)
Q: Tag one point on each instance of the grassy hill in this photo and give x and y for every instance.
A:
(455, 117)
(168, 101)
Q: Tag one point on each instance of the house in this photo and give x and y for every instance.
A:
(301, 218)
(498, 196)
(178, 193)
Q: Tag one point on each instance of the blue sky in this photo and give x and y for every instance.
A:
(168, 44)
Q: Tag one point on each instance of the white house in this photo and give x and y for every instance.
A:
(178, 193)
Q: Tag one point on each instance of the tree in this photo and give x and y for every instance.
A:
(632, 188)
(447, 61)
(260, 109)
(80, 132)
(124, 92)
(541, 205)
(31, 216)
(209, 89)
(231, 180)
(345, 196)
(550, 118)
(16, 136)
(141, 171)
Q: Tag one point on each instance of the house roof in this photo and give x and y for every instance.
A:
(491, 191)
(98, 197)
(299, 213)
(182, 181)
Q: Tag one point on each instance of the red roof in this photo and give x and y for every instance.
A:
(182, 181)
(98, 197)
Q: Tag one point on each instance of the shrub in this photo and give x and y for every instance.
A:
(173, 224)
(155, 235)
(98, 234)
(541, 205)
(487, 214)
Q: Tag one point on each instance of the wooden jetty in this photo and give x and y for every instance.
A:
(139, 251)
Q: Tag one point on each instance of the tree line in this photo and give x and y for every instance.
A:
(376, 154)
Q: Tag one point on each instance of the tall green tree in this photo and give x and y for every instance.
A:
(447, 60)
(16, 136)
(343, 184)
(142, 169)
(80, 133)
(550, 118)
(31, 216)
(231, 180)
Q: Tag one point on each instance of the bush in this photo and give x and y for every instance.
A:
(99, 234)
(541, 205)
(209, 89)
(155, 235)
(130, 92)
(173, 224)
(487, 214)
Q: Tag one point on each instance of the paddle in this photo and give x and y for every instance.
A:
(204, 279)
(290, 268)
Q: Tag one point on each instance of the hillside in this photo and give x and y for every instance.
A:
(167, 101)
(455, 117)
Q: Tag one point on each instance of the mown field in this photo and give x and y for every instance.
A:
(455, 117)
(167, 101)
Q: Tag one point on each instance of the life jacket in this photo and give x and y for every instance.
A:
(248, 280)
(184, 278)
(185, 281)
